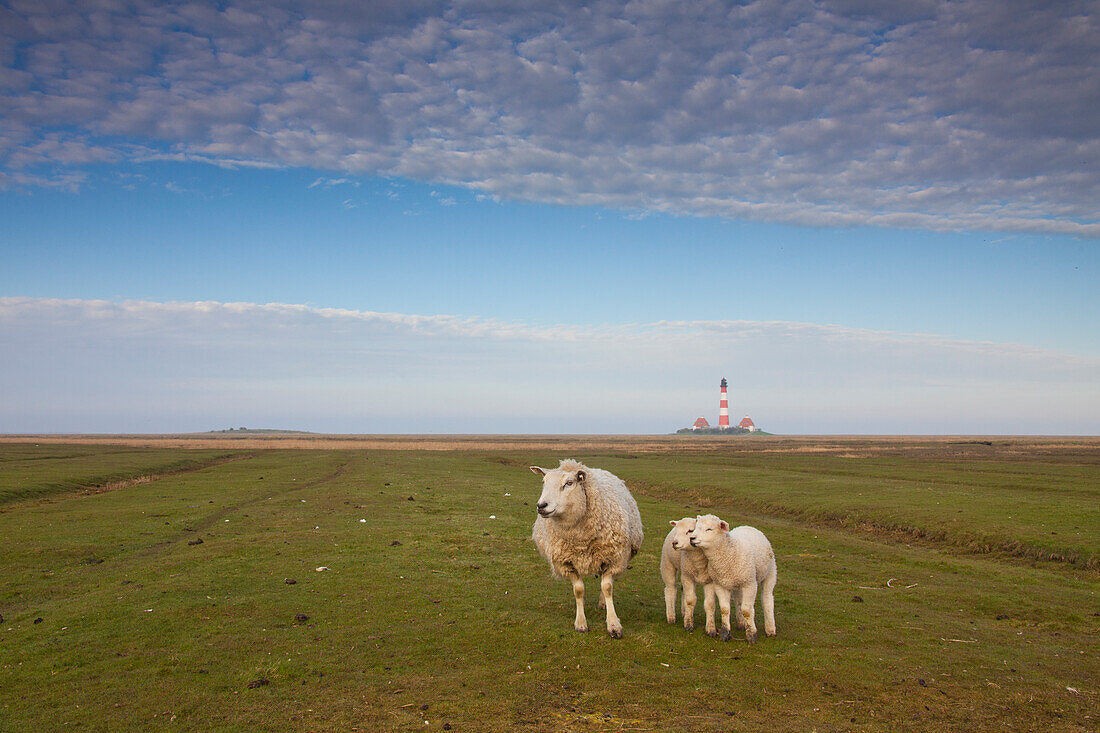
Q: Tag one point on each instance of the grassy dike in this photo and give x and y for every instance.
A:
(432, 614)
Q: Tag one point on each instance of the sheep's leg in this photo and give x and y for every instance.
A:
(668, 574)
(735, 598)
(748, 602)
(580, 623)
(614, 627)
(688, 584)
(708, 607)
(724, 606)
(768, 599)
(670, 603)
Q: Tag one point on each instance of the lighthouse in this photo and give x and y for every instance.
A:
(724, 409)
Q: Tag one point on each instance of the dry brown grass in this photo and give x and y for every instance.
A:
(844, 446)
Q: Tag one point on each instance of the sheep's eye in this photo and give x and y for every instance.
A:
(568, 483)
(710, 529)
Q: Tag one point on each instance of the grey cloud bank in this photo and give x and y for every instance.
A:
(977, 114)
(137, 366)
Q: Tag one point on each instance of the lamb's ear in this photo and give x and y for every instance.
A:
(580, 477)
(724, 526)
(536, 469)
(672, 522)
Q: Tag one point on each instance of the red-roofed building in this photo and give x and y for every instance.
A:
(747, 424)
(700, 423)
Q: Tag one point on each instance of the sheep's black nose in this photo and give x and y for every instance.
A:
(542, 505)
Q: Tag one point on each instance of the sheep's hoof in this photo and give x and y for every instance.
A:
(581, 629)
(713, 633)
(750, 636)
(689, 627)
(769, 633)
(615, 633)
(725, 635)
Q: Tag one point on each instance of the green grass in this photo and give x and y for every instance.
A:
(460, 623)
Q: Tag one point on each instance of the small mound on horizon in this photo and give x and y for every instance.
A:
(260, 431)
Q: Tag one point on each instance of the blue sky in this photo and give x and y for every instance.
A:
(460, 219)
(189, 231)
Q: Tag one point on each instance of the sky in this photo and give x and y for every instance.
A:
(509, 217)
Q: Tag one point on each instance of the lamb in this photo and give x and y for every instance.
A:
(740, 560)
(587, 524)
(677, 555)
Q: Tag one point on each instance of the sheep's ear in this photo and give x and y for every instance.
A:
(672, 522)
(724, 526)
(580, 477)
(536, 469)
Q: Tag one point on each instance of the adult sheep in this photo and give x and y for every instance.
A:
(588, 524)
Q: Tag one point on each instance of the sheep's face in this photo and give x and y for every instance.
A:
(681, 538)
(562, 492)
(708, 530)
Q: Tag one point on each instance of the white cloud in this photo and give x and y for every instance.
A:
(137, 365)
(138, 156)
(940, 115)
(332, 182)
(443, 199)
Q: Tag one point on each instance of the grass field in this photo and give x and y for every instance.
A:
(923, 585)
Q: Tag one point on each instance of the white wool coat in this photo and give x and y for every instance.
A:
(604, 538)
(744, 557)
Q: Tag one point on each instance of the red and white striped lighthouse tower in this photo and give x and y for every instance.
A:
(724, 409)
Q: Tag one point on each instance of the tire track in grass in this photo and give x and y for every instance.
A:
(214, 519)
(884, 474)
(149, 478)
(101, 485)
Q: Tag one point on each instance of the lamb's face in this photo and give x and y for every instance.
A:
(708, 530)
(681, 538)
(561, 491)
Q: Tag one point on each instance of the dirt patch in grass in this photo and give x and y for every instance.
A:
(121, 477)
(150, 477)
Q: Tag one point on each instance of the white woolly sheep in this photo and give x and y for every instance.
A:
(588, 524)
(740, 560)
(678, 556)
